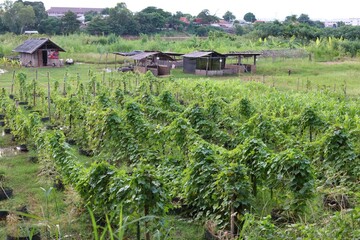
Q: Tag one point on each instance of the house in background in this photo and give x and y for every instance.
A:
(39, 52)
(80, 12)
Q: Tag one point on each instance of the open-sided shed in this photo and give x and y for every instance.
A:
(157, 62)
(239, 63)
(204, 63)
(39, 53)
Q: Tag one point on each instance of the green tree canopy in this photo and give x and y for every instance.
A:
(98, 25)
(51, 26)
(121, 21)
(70, 24)
(304, 18)
(39, 10)
(229, 16)
(152, 19)
(206, 17)
(18, 17)
(249, 17)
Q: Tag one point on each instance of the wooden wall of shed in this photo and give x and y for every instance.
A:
(163, 70)
(29, 60)
(140, 69)
(189, 65)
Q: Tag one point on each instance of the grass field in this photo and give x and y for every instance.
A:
(340, 76)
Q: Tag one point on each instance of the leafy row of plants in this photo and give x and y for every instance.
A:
(214, 148)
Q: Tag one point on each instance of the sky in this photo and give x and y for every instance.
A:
(262, 9)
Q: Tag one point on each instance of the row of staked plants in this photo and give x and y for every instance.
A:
(243, 157)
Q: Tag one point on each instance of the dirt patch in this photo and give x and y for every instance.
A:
(8, 151)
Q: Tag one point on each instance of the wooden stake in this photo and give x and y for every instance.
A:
(49, 101)
(13, 83)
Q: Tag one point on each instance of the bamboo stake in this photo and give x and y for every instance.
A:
(65, 78)
(13, 83)
(49, 101)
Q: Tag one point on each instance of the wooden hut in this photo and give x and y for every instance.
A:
(157, 62)
(39, 53)
(239, 63)
(204, 63)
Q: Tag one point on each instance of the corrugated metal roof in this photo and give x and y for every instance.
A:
(143, 55)
(244, 54)
(197, 54)
(63, 10)
(31, 45)
(127, 54)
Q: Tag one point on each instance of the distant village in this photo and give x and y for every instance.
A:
(80, 12)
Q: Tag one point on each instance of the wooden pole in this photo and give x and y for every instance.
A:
(207, 66)
(13, 83)
(64, 90)
(115, 61)
(298, 84)
(34, 93)
(49, 101)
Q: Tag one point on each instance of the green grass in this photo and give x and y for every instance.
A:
(331, 76)
(29, 189)
(342, 76)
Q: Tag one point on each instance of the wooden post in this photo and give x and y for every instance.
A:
(147, 232)
(232, 220)
(49, 101)
(77, 81)
(13, 83)
(298, 84)
(34, 93)
(115, 61)
(207, 65)
(138, 231)
(64, 90)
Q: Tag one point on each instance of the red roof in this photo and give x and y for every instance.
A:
(184, 20)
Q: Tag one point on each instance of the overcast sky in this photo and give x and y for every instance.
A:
(263, 9)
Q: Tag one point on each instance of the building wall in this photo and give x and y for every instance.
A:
(29, 60)
(36, 60)
(189, 65)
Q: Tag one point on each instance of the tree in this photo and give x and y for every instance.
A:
(17, 17)
(304, 18)
(239, 30)
(206, 17)
(249, 17)
(229, 16)
(39, 10)
(98, 25)
(291, 19)
(51, 26)
(121, 21)
(70, 24)
(151, 20)
(90, 15)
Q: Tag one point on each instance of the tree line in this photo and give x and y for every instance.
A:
(21, 15)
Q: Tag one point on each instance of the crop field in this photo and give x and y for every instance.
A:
(87, 152)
